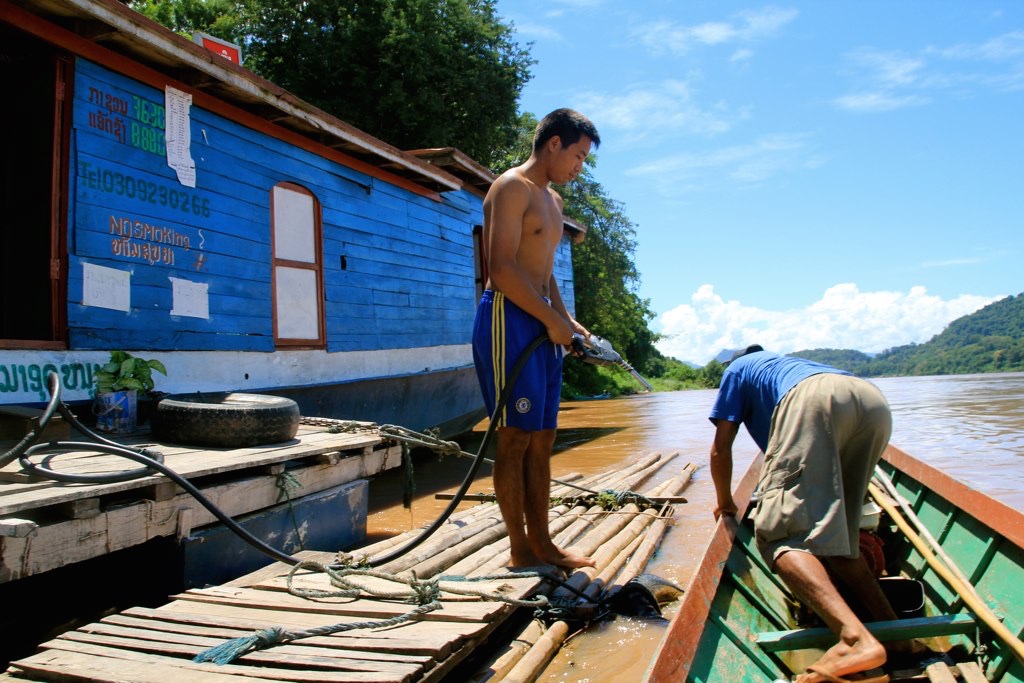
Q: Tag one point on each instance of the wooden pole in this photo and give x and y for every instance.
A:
(456, 521)
(626, 538)
(608, 549)
(499, 557)
(561, 530)
(607, 480)
(504, 662)
(538, 656)
(434, 545)
(653, 538)
(604, 577)
(909, 513)
(968, 596)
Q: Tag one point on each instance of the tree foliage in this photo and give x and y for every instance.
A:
(220, 18)
(845, 359)
(605, 276)
(428, 73)
(414, 73)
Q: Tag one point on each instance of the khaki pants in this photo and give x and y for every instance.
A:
(827, 434)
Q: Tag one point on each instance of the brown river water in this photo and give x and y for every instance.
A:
(970, 426)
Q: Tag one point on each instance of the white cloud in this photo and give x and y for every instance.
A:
(741, 55)
(885, 77)
(664, 36)
(1007, 47)
(877, 101)
(888, 80)
(965, 261)
(533, 31)
(766, 157)
(844, 318)
(889, 69)
(654, 109)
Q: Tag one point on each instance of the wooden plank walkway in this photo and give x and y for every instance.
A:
(159, 645)
(46, 524)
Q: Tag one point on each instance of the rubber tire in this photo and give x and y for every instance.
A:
(226, 420)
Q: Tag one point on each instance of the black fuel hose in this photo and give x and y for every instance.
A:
(506, 391)
(27, 448)
(153, 462)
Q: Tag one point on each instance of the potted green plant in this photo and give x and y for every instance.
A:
(118, 385)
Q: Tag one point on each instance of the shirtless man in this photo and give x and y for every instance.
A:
(522, 230)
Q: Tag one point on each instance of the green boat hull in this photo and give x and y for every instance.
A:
(737, 621)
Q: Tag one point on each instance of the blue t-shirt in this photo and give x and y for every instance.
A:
(752, 385)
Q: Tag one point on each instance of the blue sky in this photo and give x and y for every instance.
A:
(806, 174)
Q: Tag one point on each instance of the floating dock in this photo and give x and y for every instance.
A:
(462, 625)
(47, 524)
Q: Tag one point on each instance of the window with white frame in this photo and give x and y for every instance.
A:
(298, 271)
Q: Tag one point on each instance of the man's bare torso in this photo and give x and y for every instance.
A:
(540, 226)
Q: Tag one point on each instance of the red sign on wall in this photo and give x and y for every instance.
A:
(229, 51)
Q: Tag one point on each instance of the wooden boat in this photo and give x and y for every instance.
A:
(737, 622)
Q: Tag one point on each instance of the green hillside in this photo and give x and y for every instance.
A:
(988, 340)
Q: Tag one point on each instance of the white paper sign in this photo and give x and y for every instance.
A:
(189, 298)
(179, 135)
(106, 287)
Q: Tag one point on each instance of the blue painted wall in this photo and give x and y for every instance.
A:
(408, 275)
(407, 279)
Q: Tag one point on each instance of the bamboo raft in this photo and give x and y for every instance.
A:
(479, 635)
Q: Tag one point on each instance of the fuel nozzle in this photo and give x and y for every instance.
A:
(595, 350)
(598, 351)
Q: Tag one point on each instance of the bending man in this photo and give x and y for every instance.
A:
(822, 432)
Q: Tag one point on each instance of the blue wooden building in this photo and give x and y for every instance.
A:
(159, 198)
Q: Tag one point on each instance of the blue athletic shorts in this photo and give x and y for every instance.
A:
(501, 332)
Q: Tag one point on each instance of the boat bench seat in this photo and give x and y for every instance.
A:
(900, 629)
(968, 672)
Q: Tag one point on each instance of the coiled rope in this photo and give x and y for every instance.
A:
(426, 594)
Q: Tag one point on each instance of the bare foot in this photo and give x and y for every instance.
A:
(526, 559)
(845, 658)
(561, 558)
